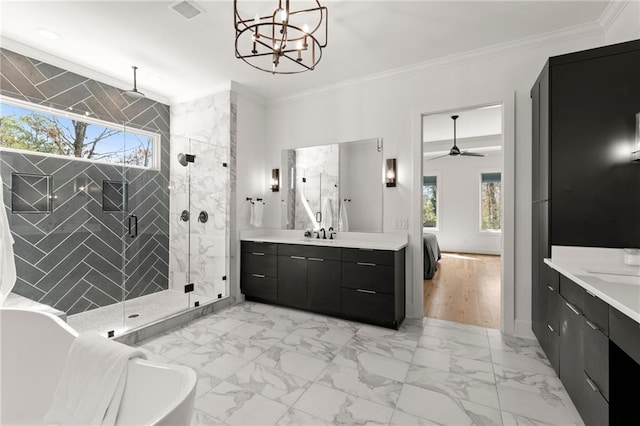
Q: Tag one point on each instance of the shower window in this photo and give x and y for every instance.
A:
(42, 130)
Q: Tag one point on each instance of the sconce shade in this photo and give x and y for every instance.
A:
(275, 180)
(391, 173)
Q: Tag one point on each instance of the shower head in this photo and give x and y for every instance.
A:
(134, 93)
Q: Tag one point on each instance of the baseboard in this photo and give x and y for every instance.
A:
(409, 312)
(523, 329)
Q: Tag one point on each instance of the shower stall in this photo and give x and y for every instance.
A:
(128, 236)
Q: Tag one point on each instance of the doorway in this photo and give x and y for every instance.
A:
(462, 214)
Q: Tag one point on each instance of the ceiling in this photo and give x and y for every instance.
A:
(180, 59)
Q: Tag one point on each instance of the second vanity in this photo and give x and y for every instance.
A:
(357, 276)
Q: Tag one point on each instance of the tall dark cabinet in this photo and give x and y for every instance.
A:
(586, 191)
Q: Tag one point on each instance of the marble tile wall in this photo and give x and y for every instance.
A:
(199, 252)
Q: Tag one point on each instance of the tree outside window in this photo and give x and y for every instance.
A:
(48, 133)
(430, 201)
(491, 201)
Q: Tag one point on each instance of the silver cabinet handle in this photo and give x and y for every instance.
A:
(257, 275)
(366, 291)
(366, 264)
(316, 259)
(592, 325)
(573, 308)
(298, 257)
(257, 254)
(551, 288)
(550, 328)
(592, 385)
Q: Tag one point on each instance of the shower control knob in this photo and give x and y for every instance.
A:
(184, 216)
(203, 217)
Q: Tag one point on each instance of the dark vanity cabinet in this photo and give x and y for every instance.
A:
(364, 285)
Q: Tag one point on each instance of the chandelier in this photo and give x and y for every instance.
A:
(281, 40)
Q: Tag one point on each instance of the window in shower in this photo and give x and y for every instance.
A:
(67, 133)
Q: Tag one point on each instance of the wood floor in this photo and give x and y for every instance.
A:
(465, 289)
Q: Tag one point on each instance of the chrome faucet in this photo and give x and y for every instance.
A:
(331, 233)
(324, 234)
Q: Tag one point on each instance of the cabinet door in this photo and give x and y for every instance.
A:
(595, 408)
(259, 285)
(596, 357)
(323, 285)
(571, 352)
(367, 305)
(292, 281)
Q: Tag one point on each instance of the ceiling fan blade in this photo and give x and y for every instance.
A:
(471, 154)
(435, 158)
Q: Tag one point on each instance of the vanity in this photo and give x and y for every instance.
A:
(592, 338)
(358, 276)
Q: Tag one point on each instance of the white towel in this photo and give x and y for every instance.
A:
(327, 213)
(7, 262)
(252, 214)
(92, 383)
(344, 218)
(259, 208)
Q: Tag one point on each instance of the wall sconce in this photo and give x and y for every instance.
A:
(635, 155)
(391, 173)
(275, 180)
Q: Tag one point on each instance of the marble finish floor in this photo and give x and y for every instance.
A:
(264, 365)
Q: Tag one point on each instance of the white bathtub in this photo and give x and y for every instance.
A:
(33, 348)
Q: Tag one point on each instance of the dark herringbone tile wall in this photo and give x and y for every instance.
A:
(72, 256)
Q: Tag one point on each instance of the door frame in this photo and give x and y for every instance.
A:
(507, 269)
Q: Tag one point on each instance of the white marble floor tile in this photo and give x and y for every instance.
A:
(369, 362)
(237, 346)
(217, 364)
(361, 384)
(479, 370)
(513, 360)
(456, 334)
(400, 418)
(169, 346)
(280, 323)
(206, 382)
(258, 334)
(469, 328)
(234, 405)
(270, 382)
(227, 325)
(384, 347)
(455, 348)
(529, 347)
(455, 385)
(310, 346)
(295, 417)
(341, 408)
(531, 382)
(199, 418)
(510, 419)
(290, 313)
(298, 364)
(407, 337)
(324, 331)
(538, 406)
(199, 334)
(331, 322)
(443, 409)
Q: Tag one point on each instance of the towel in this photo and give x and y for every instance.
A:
(327, 213)
(252, 213)
(92, 383)
(7, 262)
(344, 218)
(258, 209)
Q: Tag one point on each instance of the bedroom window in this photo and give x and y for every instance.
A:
(430, 202)
(490, 202)
(47, 131)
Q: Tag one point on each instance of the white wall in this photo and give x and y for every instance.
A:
(459, 202)
(622, 22)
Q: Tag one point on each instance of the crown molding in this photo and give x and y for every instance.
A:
(73, 67)
(540, 40)
(611, 12)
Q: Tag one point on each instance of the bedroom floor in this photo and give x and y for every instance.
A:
(264, 365)
(465, 289)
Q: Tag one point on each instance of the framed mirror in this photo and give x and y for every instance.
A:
(335, 186)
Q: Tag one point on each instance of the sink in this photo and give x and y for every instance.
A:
(618, 279)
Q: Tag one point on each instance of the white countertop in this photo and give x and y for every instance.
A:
(364, 240)
(602, 272)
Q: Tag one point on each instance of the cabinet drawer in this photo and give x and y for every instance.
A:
(625, 333)
(597, 312)
(319, 252)
(572, 292)
(259, 263)
(257, 285)
(596, 358)
(368, 276)
(259, 247)
(373, 307)
(551, 278)
(378, 257)
(595, 411)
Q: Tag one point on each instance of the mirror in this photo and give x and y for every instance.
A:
(338, 185)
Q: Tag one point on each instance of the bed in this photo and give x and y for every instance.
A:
(431, 255)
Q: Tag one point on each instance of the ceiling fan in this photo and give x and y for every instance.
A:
(455, 151)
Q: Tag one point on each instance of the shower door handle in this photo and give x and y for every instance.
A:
(133, 226)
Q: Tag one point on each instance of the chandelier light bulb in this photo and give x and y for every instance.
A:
(256, 19)
(305, 29)
(283, 15)
(299, 46)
